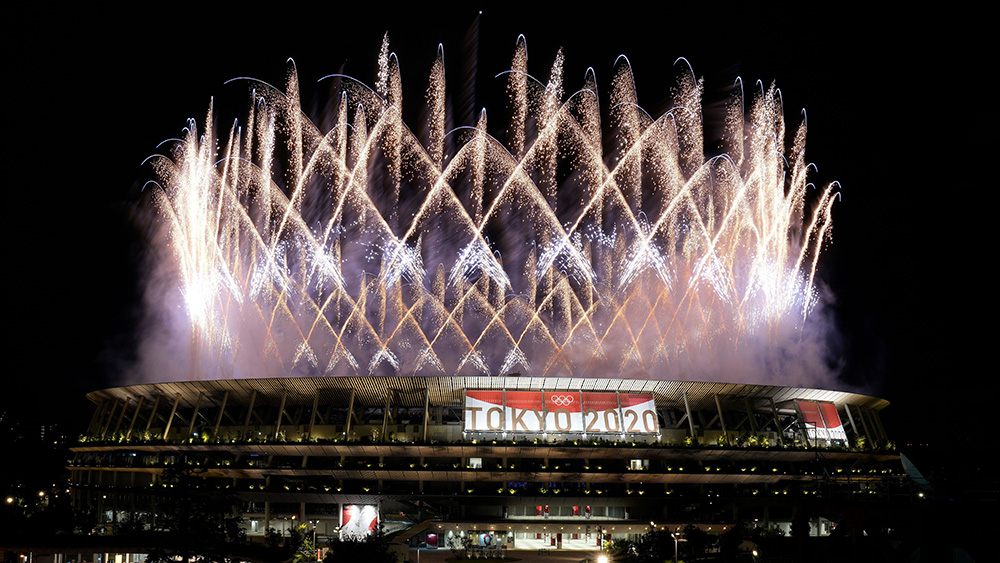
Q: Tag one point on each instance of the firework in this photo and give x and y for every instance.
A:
(565, 247)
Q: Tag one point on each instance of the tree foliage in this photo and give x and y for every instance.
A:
(697, 540)
(372, 548)
(200, 520)
(652, 547)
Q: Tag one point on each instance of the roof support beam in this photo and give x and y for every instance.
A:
(194, 415)
(281, 413)
(850, 419)
(777, 422)
(218, 417)
(170, 419)
(93, 420)
(427, 413)
(801, 425)
(869, 438)
(121, 416)
(753, 422)
(131, 425)
(312, 415)
(107, 424)
(687, 409)
(681, 420)
(877, 423)
(350, 415)
(722, 420)
(385, 416)
(246, 423)
(152, 413)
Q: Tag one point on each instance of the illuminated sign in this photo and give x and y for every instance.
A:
(523, 411)
(560, 411)
(358, 520)
(822, 421)
(563, 411)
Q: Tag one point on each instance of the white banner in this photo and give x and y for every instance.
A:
(560, 411)
(523, 411)
(358, 520)
(484, 411)
(638, 413)
(601, 412)
(822, 421)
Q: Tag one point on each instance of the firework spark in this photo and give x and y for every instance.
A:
(367, 250)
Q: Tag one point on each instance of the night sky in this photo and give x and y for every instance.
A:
(895, 114)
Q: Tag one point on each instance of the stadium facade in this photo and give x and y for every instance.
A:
(512, 462)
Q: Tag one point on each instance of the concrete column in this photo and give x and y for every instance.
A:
(194, 415)
(687, 409)
(427, 413)
(385, 418)
(92, 427)
(777, 422)
(802, 425)
(121, 416)
(850, 419)
(152, 413)
(722, 420)
(753, 422)
(107, 424)
(135, 416)
(350, 416)
(869, 437)
(312, 415)
(246, 423)
(877, 422)
(218, 418)
(170, 420)
(281, 414)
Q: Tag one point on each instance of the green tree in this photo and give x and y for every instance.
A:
(372, 548)
(200, 521)
(729, 542)
(301, 542)
(651, 547)
(698, 540)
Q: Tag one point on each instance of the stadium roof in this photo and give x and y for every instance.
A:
(449, 390)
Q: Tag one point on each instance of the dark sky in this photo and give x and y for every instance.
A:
(894, 115)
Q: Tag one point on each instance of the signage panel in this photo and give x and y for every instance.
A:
(560, 412)
(601, 412)
(523, 411)
(822, 421)
(358, 520)
(563, 411)
(638, 413)
(484, 410)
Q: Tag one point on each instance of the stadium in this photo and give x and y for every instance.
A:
(338, 286)
(513, 462)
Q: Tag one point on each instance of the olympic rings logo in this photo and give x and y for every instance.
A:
(562, 400)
